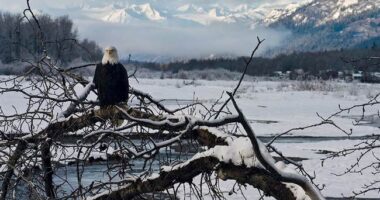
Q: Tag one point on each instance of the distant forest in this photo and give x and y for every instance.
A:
(360, 59)
(21, 40)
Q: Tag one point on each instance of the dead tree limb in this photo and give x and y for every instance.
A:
(47, 168)
(254, 176)
(266, 160)
(13, 161)
(247, 63)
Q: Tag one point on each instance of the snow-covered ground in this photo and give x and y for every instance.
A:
(274, 107)
(282, 104)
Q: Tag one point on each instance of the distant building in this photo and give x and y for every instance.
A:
(357, 76)
(340, 75)
(278, 74)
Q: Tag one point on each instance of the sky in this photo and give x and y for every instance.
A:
(165, 39)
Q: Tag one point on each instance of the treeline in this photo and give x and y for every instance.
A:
(21, 39)
(311, 62)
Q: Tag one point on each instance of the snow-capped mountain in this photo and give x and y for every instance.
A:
(277, 14)
(123, 14)
(147, 11)
(314, 24)
(307, 12)
(204, 16)
(321, 12)
(199, 14)
(331, 24)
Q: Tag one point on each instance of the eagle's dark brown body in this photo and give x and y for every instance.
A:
(111, 81)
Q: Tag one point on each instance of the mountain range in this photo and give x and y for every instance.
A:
(315, 25)
(206, 14)
(332, 24)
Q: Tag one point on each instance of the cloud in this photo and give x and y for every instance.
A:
(199, 41)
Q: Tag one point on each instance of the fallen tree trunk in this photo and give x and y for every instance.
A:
(255, 175)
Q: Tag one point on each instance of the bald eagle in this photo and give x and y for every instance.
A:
(111, 79)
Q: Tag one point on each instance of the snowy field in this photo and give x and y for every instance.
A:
(283, 104)
(274, 107)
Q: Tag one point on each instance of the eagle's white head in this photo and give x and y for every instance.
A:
(110, 56)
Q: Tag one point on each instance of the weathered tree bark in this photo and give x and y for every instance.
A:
(256, 177)
(12, 162)
(47, 169)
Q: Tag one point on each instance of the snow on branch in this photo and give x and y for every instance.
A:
(267, 161)
(234, 161)
(225, 150)
(81, 97)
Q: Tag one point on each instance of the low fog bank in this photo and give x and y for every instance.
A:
(161, 42)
